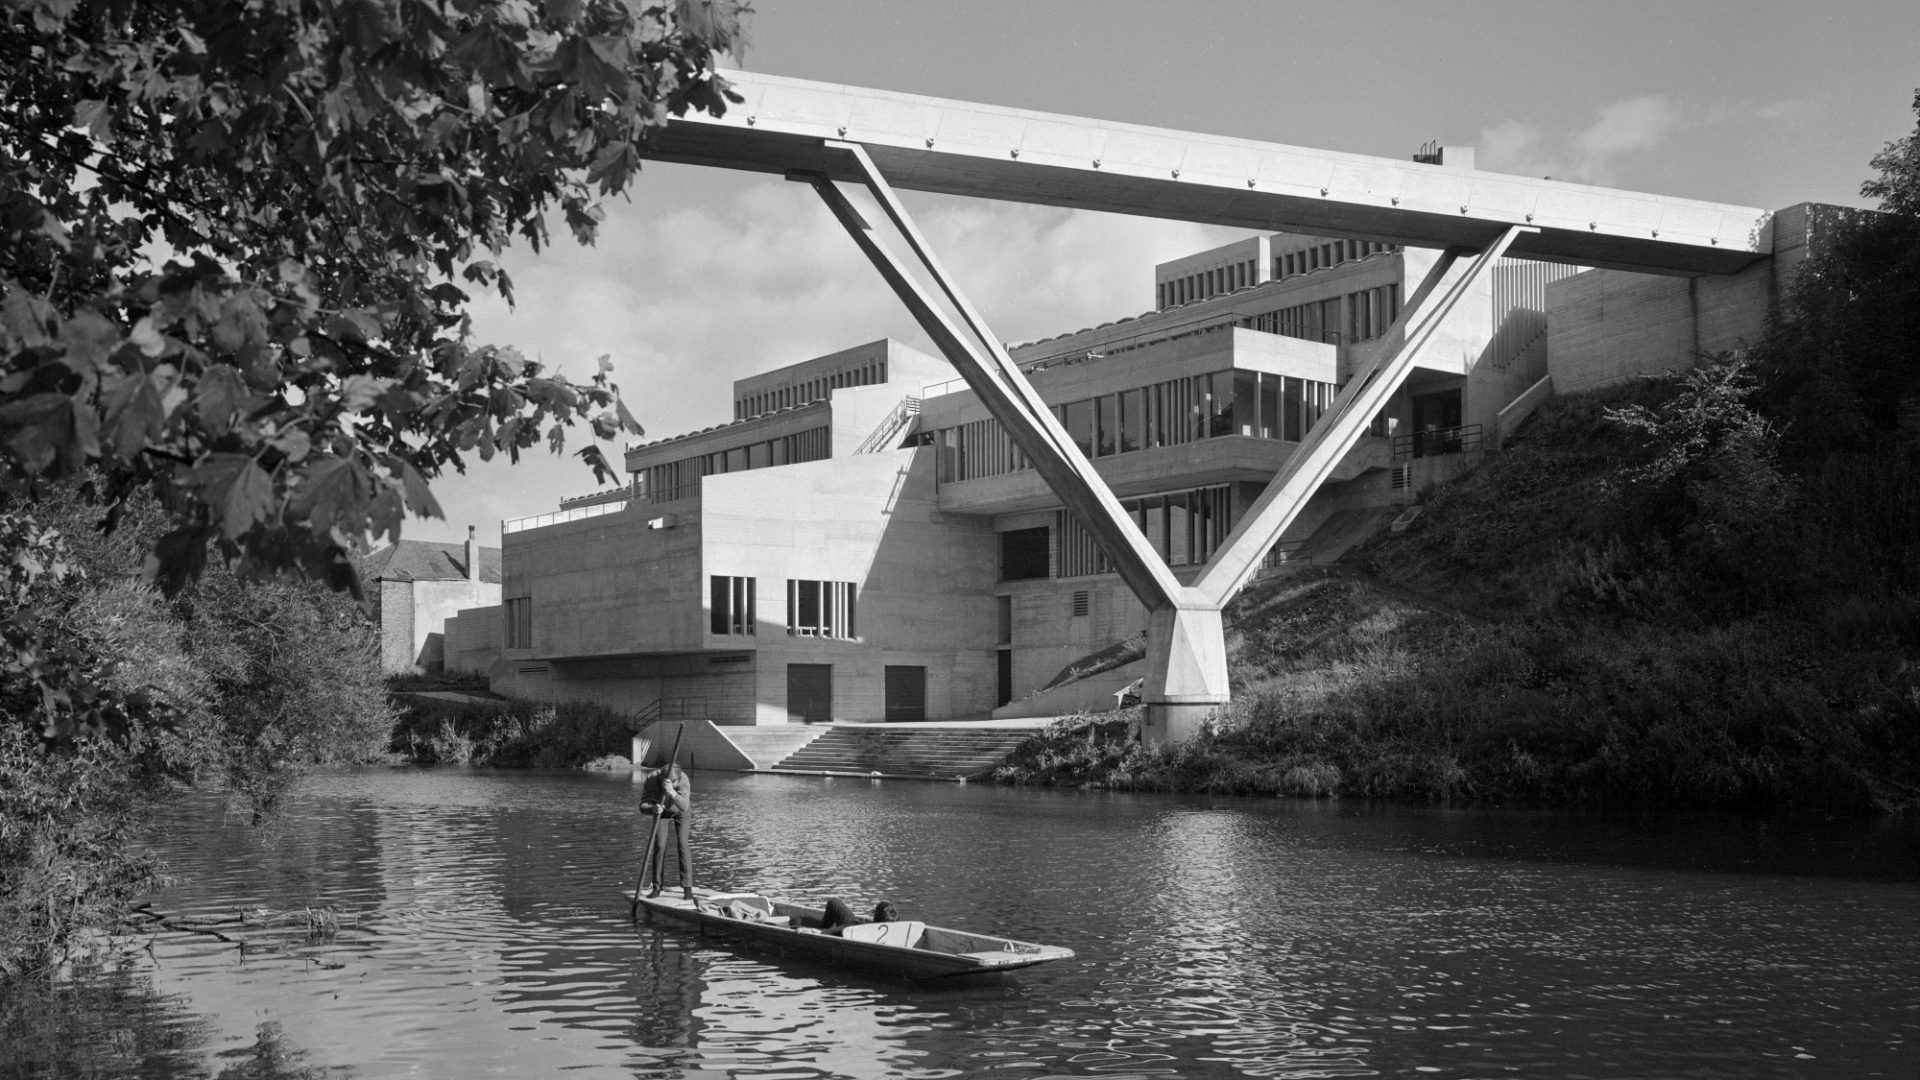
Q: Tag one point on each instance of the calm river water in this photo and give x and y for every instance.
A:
(1216, 938)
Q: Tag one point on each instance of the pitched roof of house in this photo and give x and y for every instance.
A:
(427, 560)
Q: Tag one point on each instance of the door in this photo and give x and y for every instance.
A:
(809, 693)
(906, 693)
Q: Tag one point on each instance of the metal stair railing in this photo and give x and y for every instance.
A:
(894, 423)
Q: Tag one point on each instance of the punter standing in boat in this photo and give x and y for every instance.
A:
(665, 796)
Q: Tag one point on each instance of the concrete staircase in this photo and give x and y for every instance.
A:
(766, 745)
(919, 751)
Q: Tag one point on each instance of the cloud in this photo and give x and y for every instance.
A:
(718, 287)
(1598, 153)
(1623, 136)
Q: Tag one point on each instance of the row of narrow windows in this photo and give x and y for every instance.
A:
(786, 397)
(1204, 283)
(1214, 281)
(1221, 403)
(1332, 253)
(1184, 527)
(681, 479)
(1369, 313)
(818, 609)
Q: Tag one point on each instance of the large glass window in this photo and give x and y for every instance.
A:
(518, 618)
(1078, 420)
(1106, 434)
(1133, 420)
(1270, 406)
(822, 609)
(1247, 418)
(1220, 407)
(731, 605)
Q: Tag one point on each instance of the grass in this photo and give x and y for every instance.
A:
(1527, 643)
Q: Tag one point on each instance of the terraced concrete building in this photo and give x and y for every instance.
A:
(863, 541)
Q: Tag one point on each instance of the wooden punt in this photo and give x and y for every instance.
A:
(909, 947)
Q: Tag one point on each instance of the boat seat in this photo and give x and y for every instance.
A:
(905, 934)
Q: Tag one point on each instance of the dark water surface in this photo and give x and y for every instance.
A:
(1216, 938)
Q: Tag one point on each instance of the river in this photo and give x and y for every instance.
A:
(483, 933)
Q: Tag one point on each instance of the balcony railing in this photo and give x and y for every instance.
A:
(1452, 440)
(577, 514)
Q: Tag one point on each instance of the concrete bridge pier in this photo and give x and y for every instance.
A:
(1186, 681)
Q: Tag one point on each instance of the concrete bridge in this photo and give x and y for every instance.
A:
(827, 135)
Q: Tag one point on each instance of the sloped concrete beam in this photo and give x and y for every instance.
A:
(983, 362)
(1239, 556)
(965, 148)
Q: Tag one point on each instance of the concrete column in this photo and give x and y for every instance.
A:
(1186, 679)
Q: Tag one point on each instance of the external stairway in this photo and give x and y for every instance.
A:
(918, 751)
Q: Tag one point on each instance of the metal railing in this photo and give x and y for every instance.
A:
(1453, 440)
(578, 514)
(896, 420)
(1287, 553)
(1100, 350)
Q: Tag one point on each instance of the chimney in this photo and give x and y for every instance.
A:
(473, 564)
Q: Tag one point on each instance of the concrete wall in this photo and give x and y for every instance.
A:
(925, 579)
(473, 639)
(413, 615)
(611, 585)
(1609, 325)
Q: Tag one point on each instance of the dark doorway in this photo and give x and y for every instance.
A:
(809, 693)
(1004, 692)
(906, 693)
(1023, 554)
(1435, 420)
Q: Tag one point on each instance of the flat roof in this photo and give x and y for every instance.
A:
(987, 151)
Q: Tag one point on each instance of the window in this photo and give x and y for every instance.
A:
(1106, 436)
(1133, 420)
(822, 609)
(732, 607)
(1185, 527)
(1077, 418)
(519, 622)
(1024, 554)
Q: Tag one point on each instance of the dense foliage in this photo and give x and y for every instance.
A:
(266, 678)
(512, 735)
(1702, 590)
(236, 244)
(322, 183)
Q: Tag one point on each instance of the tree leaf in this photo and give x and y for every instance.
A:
(237, 491)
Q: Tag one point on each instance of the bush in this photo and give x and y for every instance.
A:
(512, 735)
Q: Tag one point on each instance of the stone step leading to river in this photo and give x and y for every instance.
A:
(947, 753)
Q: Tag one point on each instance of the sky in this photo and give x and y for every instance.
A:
(704, 276)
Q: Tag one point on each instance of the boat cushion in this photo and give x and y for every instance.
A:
(904, 934)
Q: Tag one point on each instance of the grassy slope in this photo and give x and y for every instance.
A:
(1519, 645)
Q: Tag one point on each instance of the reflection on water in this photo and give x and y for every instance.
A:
(1215, 938)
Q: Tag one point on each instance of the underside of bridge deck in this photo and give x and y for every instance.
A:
(825, 134)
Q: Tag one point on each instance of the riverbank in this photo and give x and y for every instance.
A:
(1535, 640)
(438, 725)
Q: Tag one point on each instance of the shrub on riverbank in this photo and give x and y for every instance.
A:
(247, 683)
(511, 734)
(1537, 638)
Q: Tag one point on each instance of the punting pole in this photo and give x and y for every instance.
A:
(633, 908)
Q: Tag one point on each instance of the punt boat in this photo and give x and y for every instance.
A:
(909, 947)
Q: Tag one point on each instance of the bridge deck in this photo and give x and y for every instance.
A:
(964, 148)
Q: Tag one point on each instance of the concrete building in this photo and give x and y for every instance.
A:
(865, 542)
(1278, 385)
(418, 586)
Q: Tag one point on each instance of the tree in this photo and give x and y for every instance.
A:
(323, 181)
(1842, 368)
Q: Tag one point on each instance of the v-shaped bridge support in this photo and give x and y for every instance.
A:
(1186, 650)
